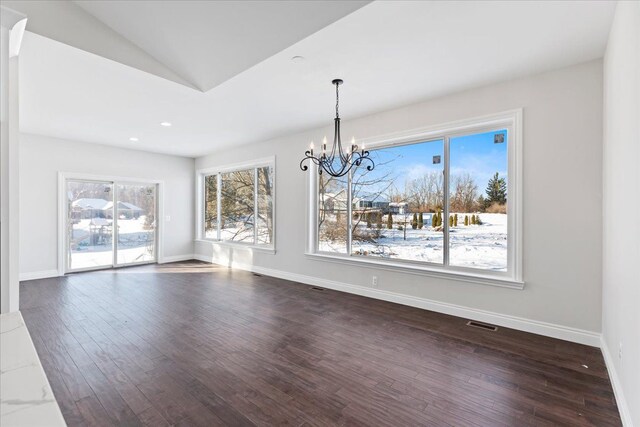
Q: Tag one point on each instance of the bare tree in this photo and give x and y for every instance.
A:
(417, 193)
(237, 203)
(371, 186)
(465, 193)
(426, 192)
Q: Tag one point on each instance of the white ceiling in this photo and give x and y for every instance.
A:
(208, 42)
(388, 53)
(196, 43)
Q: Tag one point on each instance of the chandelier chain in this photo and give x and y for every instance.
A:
(337, 102)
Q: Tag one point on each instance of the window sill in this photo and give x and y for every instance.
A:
(483, 279)
(237, 245)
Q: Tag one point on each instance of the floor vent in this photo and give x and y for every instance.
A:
(257, 275)
(481, 325)
(315, 288)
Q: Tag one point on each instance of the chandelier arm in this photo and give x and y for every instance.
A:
(344, 157)
(369, 159)
(311, 158)
(336, 132)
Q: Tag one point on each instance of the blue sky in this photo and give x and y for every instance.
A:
(475, 154)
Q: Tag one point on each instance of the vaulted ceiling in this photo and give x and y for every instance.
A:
(196, 43)
(223, 74)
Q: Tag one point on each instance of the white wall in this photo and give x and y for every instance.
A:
(10, 34)
(562, 205)
(41, 158)
(621, 184)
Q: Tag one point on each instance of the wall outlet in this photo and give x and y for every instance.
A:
(620, 350)
(167, 218)
(374, 281)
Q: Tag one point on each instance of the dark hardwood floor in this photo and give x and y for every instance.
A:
(197, 344)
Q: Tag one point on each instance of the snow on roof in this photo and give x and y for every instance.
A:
(123, 206)
(90, 203)
(341, 193)
(101, 204)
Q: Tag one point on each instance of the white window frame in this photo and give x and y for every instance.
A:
(201, 174)
(513, 277)
(63, 244)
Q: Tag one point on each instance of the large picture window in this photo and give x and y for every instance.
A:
(237, 204)
(443, 201)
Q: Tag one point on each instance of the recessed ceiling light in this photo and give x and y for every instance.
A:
(297, 58)
(133, 139)
(165, 124)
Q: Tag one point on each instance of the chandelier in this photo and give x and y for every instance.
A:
(337, 162)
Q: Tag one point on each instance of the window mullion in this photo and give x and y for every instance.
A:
(218, 205)
(445, 201)
(314, 207)
(349, 210)
(255, 206)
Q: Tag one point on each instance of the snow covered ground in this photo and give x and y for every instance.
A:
(135, 243)
(477, 246)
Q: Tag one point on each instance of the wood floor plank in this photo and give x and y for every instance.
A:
(192, 343)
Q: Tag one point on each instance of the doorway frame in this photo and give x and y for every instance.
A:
(63, 177)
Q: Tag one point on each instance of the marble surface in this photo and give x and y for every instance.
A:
(26, 399)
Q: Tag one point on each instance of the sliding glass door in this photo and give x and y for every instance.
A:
(89, 225)
(109, 224)
(136, 212)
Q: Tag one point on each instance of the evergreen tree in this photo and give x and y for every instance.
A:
(414, 222)
(496, 190)
(368, 220)
(379, 220)
(482, 203)
(420, 221)
(390, 221)
(450, 220)
(473, 219)
(455, 220)
(466, 220)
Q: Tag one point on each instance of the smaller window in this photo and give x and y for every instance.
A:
(237, 204)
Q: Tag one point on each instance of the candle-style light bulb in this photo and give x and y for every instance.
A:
(311, 147)
(324, 147)
(362, 148)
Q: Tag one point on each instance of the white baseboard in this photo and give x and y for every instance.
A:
(623, 407)
(541, 328)
(176, 258)
(34, 275)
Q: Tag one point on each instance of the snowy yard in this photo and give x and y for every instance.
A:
(91, 243)
(477, 246)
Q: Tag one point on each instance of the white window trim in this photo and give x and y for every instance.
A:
(63, 177)
(513, 277)
(251, 164)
